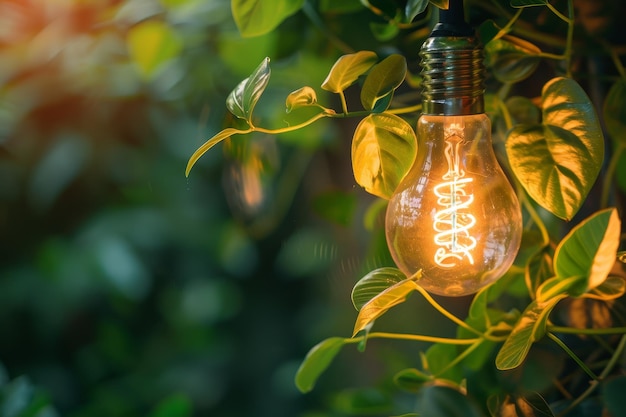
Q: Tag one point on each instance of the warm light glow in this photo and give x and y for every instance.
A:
(454, 220)
(455, 216)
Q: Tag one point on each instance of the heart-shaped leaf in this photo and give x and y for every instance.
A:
(375, 283)
(243, 98)
(529, 328)
(590, 249)
(258, 17)
(383, 150)
(558, 161)
(382, 80)
(614, 110)
(347, 70)
(302, 97)
(316, 361)
(380, 304)
(224, 134)
(511, 59)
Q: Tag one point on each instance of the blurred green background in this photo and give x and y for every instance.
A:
(127, 289)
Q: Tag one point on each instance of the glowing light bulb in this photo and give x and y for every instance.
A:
(455, 216)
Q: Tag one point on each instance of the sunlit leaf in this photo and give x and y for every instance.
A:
(529, 328)
(244, 97)
(382, 80)
(411, 379)
(380, 304)
(528, 3)
(316, 362)
(557, 162)
(374, 283)
(257, 17)
(442, 4)
(538, 269)
(558, 286)
(224, 134)
(413, 8)
(511, 59)
(383, 150)
(347, 70)
(590, 248)
(151, 44)
(302, 97)
(615, 112)
(530, 405)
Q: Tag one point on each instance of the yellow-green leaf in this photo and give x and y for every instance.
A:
(241, 101)
(347, 70)
(316, 362)
(374, 283)
(382, 80)
(381, 303)
(302, 97)
(383, 150)
(557, 162)
(151, 44)
(258, 17)
(590, 249)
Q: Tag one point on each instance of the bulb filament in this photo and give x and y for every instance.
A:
(453, 220)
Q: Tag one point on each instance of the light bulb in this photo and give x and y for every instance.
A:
(455, 216)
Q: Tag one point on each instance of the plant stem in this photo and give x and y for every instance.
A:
(588, 332)
(572, 355)
(420, 338)
(507, 28)
(462, 356)
(446, 313)
(603, 375)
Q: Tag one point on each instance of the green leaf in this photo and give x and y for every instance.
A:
(224, 134)
(383, 150)
(558, 286)
(590, 249)
(523, 110)
(258, 17)
(613, 390)
(538, 269)
(529, 328)
(177, 405)
(511, 59)
(528, 3)
(244, 97)
(413, 8)
(347, 70)
(316, 362)
(610, 289)
(557, 162)
(442, 401)
(374, 283)
(411, 379)
(614, 111)
(437, 360)
(529, 405)
(384, 31)
(382, 80)
(302, 97)
(380, 304)
(151, 44)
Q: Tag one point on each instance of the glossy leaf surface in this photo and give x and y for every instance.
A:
(316, 361)
(413, 8)
(590, 249)
(374, 283)
(511, 59)
(383, 150)
(258, 17)
(347, 70)
(241, 101)
(380, 304)
(557, 162)
(302, 97)
(382, 80)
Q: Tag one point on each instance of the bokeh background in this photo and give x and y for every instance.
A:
(127, 289)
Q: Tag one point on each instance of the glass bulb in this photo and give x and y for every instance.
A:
(455, 216)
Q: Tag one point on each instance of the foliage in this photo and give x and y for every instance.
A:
(553, 148)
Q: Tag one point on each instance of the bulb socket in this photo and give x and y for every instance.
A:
(453, 75)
